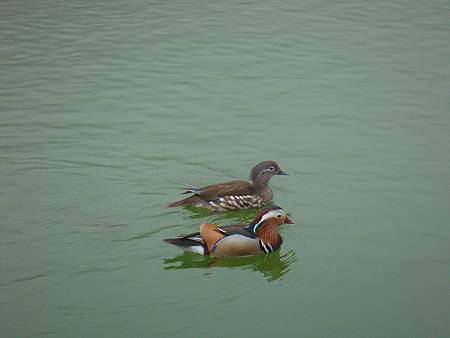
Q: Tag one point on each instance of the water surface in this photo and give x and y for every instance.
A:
(108, 109)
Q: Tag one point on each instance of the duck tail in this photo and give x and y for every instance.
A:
(185, 201)
(181, 241)
(191, 191)
(193, 243)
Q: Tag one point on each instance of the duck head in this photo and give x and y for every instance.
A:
(274, 216)
(266, 225)
(263, 172)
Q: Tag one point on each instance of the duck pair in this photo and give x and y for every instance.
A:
(262, 235)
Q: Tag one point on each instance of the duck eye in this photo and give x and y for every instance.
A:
(279, 216)
(271, 168)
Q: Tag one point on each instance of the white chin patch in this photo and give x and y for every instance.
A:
(196, 249)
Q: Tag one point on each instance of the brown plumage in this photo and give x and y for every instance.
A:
(210, 234)
(236, 194)
(269, 233)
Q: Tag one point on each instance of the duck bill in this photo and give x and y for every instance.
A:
(281, 172)
(288, 221)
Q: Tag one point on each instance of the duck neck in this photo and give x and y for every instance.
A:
(263, 189)
(261, 182)
(269, 234)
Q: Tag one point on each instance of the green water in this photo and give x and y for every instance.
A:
(108, 109)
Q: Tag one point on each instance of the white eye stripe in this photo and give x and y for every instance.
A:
(272, 213)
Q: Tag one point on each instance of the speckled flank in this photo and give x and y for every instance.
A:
(236, 202)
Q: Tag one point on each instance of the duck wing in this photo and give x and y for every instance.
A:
(210, 193)
(213, 238)
(232, 188)
(229, 240)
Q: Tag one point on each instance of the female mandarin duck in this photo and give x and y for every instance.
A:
(234, 195)
(262, 235)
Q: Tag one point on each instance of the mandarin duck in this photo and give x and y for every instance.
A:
(262, 235)
(234, 195)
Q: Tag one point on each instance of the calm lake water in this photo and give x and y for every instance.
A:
(109, 108)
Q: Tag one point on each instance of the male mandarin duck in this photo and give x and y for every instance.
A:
(262, 235)
(234, 195)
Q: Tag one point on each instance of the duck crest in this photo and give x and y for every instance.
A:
(261, 217)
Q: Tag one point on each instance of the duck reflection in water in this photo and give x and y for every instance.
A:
(273, 266)
(245, 215)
